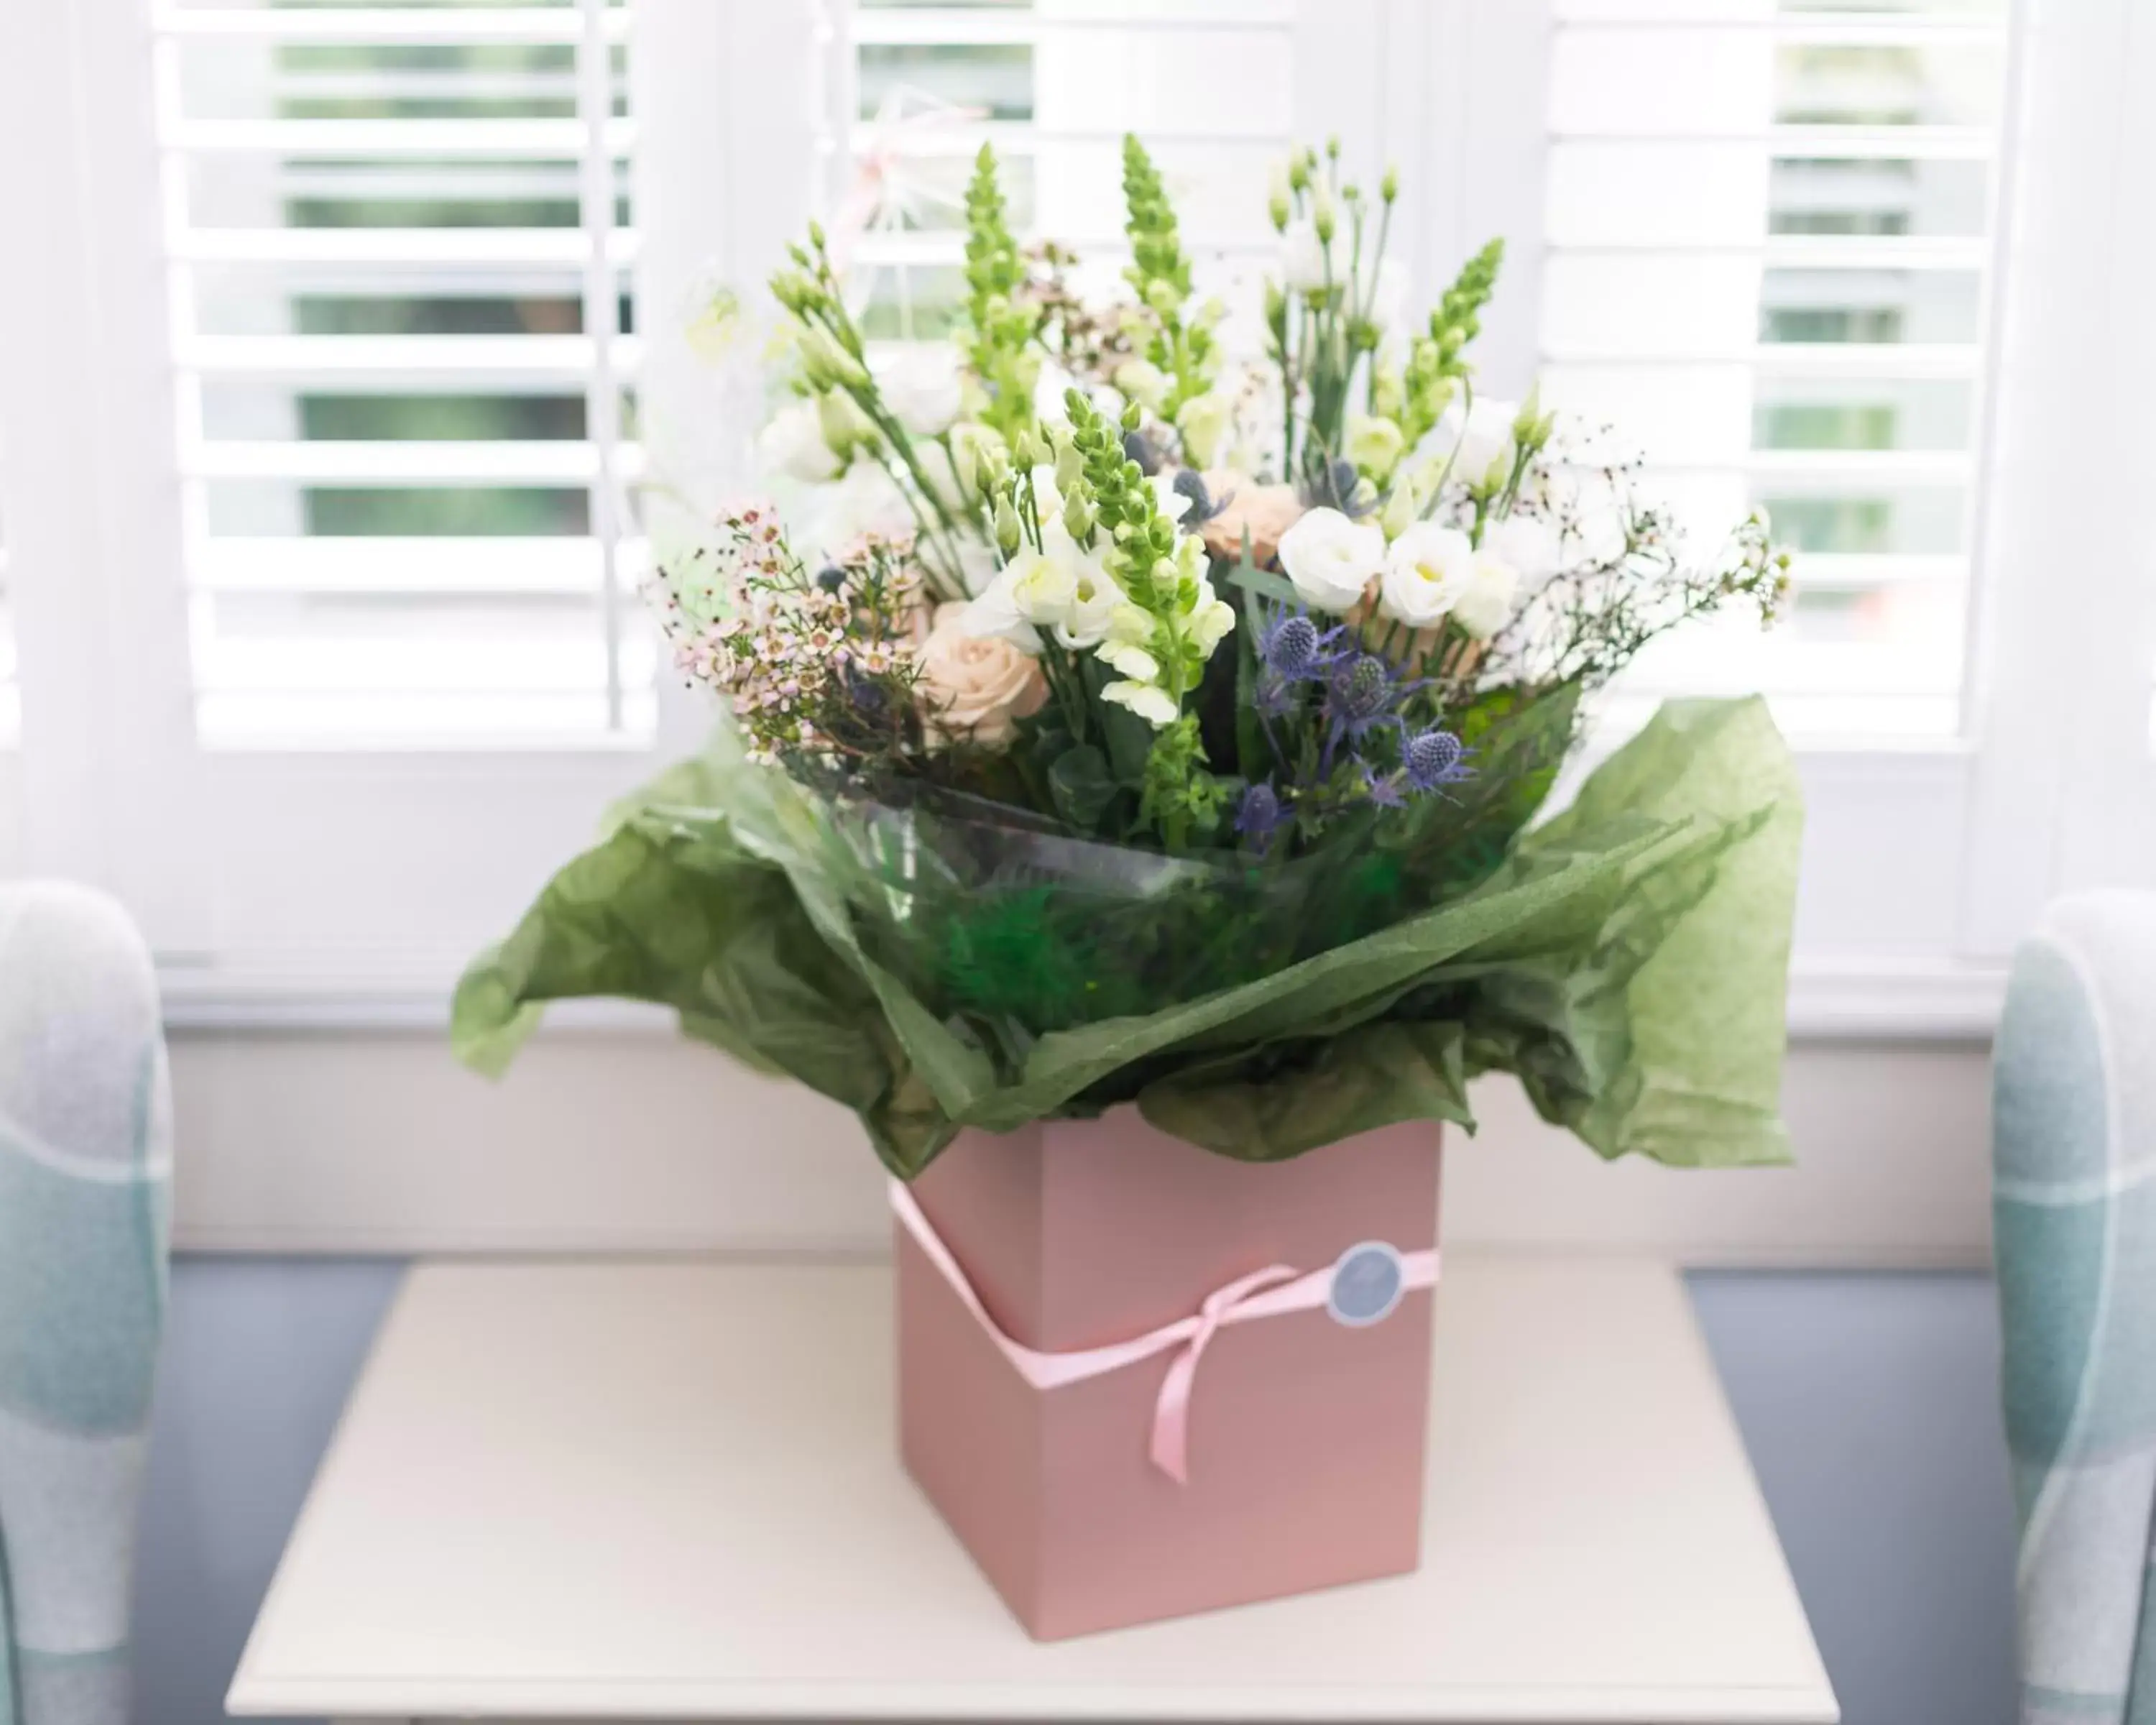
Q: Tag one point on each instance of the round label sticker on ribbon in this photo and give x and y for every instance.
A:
(1368, 1282)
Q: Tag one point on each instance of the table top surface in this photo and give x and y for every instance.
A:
(670, 1489)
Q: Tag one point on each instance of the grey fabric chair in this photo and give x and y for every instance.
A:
(85, 1170)
(2074, 1200)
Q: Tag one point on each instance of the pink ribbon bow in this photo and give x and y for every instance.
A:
(1263, 1293)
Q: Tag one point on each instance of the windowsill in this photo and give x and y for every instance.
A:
(1912, 999)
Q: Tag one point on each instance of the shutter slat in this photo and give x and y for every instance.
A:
(512, 140)
(470, 566)
(399, 379)
(1809, 251)
(965, 27)
(441, 363)
(386, 25)
(1794, 359)
(407, 462)
(1767, 247)
(1816, 143)
(427, 248)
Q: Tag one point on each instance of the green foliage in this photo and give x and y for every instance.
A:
(934, 970)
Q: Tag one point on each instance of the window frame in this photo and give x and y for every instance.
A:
(260, 877)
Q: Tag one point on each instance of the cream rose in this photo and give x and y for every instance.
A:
(972, 686)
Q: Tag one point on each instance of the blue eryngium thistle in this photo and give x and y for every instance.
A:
(1433, 758)
(1291, 647)
(1261, 814)
(1364, 694)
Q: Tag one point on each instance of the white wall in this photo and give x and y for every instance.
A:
(628, 1140)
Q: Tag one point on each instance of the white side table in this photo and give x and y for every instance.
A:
(669, 1490)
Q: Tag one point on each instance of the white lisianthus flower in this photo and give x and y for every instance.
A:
(1204, 421)
(1143, 381)
(1483, 435)
(1485, 605)
(1331, 559)
(994, 616)
(1041, 587)
(1306, 263)
(924, 386)
(1426, 572)
(1374, 443)
(1133, 662)
(1529, 544)
(1153, 705)
(793, 444)
(1094, 598)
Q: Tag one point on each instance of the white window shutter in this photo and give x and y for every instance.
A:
(1054, 85)
(400, 237)
(1769, 229)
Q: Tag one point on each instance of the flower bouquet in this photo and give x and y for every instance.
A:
(1142, 717)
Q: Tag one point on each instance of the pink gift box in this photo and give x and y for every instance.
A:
(1305, 1433)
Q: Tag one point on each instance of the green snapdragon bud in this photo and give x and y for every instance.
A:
(1531, 408)
(1079, 518)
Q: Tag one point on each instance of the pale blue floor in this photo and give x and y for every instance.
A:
(1869, 1402)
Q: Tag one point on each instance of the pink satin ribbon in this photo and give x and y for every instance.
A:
(1263, 1293)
